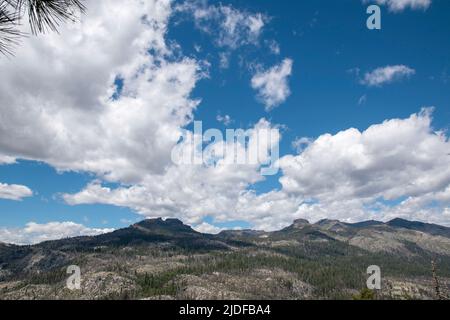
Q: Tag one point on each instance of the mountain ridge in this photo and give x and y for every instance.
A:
(161, 259)
(173, 228)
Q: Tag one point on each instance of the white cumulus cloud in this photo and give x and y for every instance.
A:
(400, 5)
(351, 176)
(76, 118)
(388, 74)
(352, 173)
(67, 111)
(272, 85)
(14, 191)
(231, 28)
(34, 233)
(207, 228)
(190, 192)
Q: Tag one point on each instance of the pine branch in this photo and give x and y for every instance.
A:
(43, 16)
(46, 15)
(8, 33)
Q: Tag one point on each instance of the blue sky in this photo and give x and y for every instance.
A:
(332, 51)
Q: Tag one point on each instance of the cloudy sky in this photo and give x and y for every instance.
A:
(89, 117)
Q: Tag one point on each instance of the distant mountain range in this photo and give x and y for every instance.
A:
(167, 259)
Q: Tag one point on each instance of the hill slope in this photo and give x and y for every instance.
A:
(167, 259)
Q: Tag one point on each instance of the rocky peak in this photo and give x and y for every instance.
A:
(170, 225)
(300, 223)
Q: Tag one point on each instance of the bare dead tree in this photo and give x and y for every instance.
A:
(42, 16)
(436, 280)
(437, 287)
